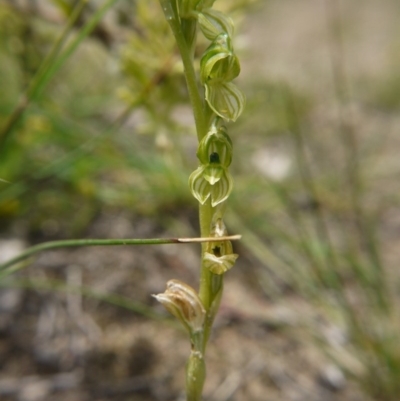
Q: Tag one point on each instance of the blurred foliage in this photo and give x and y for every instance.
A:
(67, 149)
(61, 155)
(11, 54)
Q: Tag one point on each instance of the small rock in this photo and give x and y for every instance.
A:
(10, 299)
(10, 248)
(273, 164)
(34, 391)
(332, 378)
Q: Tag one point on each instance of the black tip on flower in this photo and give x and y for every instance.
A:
(214, 157)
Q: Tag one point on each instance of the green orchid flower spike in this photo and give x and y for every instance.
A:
(211, 183)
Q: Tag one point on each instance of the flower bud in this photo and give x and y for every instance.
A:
(182, 301)
(187, 7)
(213, 22)
(219, 256)
(219, 63)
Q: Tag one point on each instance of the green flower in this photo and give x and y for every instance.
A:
(211, 180)
(218, 66)
(216, 143)
(225, 99)
(219, 256)
(219, 63)
(219, 264)
(213, 173)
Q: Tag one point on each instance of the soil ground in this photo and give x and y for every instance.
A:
(65, 346)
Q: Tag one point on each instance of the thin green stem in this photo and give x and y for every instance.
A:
(185, 50)
(83, 33)
(302, 233)
(205, 217)
(195, 98)
(48, 60)
(342, 93)
(17, 189)
(102, 242)
(365, 231)
(332, 260)
(56, 49)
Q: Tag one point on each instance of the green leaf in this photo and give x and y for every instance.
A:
(225, 99)
(213, 22)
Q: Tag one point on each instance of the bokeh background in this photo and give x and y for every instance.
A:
(97, 141)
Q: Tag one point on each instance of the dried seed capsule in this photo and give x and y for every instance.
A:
(182, 301)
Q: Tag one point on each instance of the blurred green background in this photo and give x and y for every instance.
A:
(95, 121)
